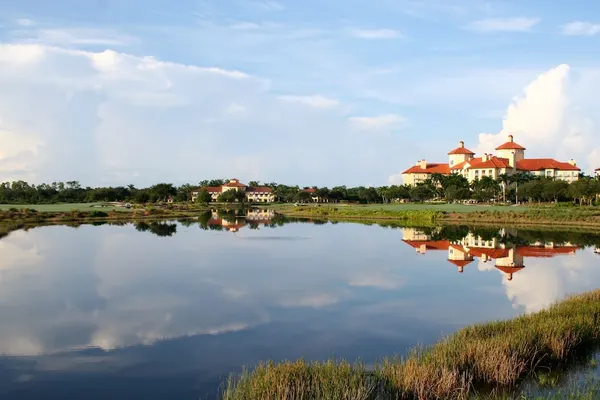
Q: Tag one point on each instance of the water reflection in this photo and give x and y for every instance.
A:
(112, 311)
(504, 248)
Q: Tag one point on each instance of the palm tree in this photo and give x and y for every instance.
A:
(503, 179)
(518, 178)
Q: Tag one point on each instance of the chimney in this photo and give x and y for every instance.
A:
(423, 164)
(461, 144)
(485, 157)
(511, 138)
(572, 162)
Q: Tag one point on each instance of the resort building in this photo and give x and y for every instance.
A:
(509, 159)
(258, 194)
(233, 223)
(509, 259)
(314, 196)
(597, 173)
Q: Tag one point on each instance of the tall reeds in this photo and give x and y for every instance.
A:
(493, 355)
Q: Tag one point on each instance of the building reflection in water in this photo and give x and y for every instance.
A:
(233, 221)
(508, 257)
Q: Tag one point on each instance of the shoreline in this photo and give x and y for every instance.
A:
(497, 356)
(547, 218)
(543, 217)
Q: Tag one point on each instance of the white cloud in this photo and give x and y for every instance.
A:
(541, 284)
(396, 179)
(319, 300)
(25, 22)
(553, 117)
(316, 101)
(71, 114)
(386, 122)
(376, 33)
(579, 28)
(267, 5)
(251, 26)
(236, 109)
(517, 24)
(75, 37)
(385, 280)
(109, 302)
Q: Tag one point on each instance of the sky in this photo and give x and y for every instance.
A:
(312, 92)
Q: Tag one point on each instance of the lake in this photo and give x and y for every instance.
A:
(170, 309)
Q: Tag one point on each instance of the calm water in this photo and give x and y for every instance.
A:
(168, 310)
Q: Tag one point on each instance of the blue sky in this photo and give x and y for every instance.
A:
(308, 92)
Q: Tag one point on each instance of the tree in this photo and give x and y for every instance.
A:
(585, 190)
(203, 196)
(323, 193)
(254, 183)
(184, 193)
(384, 193)
(232, 196)
(422, 192)
(368, 195)
(485, 189)
(162, 191)
(455, 193)
(305, 197)
(339, 193)
(517, 179)
(554, 190)
(503, 180)
(532, 190)
(396, 192)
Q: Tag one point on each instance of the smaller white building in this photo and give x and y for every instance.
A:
(259, 194)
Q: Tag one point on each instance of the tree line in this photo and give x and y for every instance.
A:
(519, 187)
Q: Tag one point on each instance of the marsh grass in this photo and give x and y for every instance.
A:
(495, 355)
(428, 214)
(423, 216)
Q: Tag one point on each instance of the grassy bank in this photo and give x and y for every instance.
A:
(493, 355)
(427, 214)
(64, 207)
(14, 219)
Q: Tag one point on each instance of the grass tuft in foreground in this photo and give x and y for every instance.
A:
(494, 355)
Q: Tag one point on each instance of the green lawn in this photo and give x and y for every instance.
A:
(63, 207)
(458, 208)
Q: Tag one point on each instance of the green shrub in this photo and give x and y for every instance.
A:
(98, 214)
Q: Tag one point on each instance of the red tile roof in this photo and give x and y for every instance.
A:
(234, 184)
(478, 163)
(261, 189)
(538, 164)
(510, 145)
(309, 190)
(533, 251)
(509, 270)
(431, 169)
(429, 244)
(460, 263)
(461, 150)
(492, 162)
(491, 253)
(213, 189)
